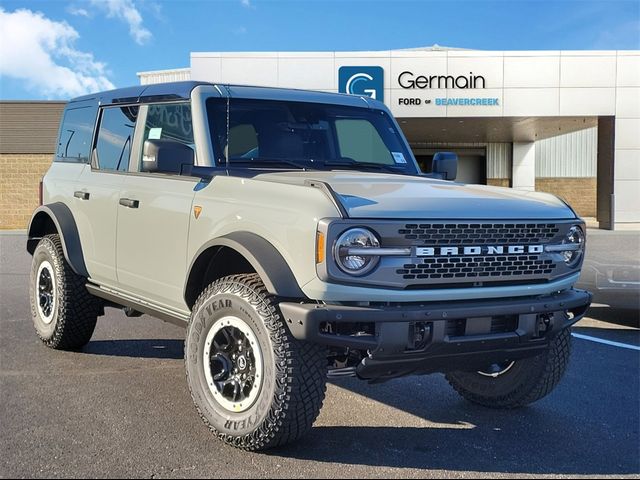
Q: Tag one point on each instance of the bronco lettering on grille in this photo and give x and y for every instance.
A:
(478, 250)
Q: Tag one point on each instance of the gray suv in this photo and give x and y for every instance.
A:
(294, 236)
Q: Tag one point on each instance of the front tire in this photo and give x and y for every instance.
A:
(64, 313)
(254, 385)
(518, 383)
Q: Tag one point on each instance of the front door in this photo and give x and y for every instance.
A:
(154, 211)
(153, 227)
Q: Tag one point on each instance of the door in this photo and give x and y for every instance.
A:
(472, 169)
(98, 190)
(154, 210)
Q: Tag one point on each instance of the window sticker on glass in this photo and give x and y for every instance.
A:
(398, 157)
(155, 133)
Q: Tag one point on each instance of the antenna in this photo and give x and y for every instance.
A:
(226, 150)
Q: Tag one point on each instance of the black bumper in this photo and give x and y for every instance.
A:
(455, 335)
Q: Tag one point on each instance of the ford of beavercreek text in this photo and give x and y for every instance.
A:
(295, 237)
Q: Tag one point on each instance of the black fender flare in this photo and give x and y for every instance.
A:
(265, 259)
(65, 224)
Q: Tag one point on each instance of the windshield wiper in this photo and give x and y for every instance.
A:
(356, 164)
(268, 161)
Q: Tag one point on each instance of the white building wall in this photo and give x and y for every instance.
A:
(499, 160)
(524, 166)
(570, 155)
(160, 76)
(627, 138)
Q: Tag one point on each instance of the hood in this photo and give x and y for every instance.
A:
(377, 195)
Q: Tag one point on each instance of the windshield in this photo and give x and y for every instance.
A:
(282, 134)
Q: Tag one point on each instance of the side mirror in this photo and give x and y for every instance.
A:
(166, 156)
(445, 165)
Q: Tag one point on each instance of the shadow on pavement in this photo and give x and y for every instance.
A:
(546, 438)
(173, 349)
(452, 450)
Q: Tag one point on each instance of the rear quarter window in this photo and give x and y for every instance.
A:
(76, 132)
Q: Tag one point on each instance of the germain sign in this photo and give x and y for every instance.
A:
(368, 81)
(409, 80)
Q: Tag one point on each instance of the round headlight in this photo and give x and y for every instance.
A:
(575, 236)
(349, 253)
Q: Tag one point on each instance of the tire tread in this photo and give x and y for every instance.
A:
(301, 370)
(77, 309)
(548, 370)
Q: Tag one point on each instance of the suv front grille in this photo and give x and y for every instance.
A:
(477, 266)
(446, 254)
(479, 233)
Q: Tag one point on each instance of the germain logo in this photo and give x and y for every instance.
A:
(409, 80)
(367, 81)
(483, 250)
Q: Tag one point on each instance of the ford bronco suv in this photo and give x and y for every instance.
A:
(295, 237)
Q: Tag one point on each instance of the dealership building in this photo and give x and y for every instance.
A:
(565, 122)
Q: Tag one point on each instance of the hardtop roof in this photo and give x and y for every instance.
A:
(182, 90)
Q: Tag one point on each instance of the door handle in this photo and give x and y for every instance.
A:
(81, 195)
(128, 202)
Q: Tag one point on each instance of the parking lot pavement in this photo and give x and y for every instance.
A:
(121, 408)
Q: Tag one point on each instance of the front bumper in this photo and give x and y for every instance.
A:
(439, 336)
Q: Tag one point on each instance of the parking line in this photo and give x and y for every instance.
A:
(606, 342)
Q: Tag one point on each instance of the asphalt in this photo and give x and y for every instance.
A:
(121, 408)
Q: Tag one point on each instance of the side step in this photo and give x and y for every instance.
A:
(164, 314)
(341, 372)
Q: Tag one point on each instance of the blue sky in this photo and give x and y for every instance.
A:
(59, 49)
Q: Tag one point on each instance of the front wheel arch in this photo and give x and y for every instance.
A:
(243, 252)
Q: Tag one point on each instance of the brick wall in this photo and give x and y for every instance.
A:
(20, 175)
(580, 193)
(498, 182)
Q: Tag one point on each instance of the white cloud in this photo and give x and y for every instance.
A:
(239, 30)
(41, 52)
(246, 3)
(78, 12)
(126, 11)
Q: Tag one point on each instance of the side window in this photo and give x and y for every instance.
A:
(169, 122)
(113, 146)
(359, 140)
(76, 131)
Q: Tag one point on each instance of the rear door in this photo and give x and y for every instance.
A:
(72, 154)
(153, 214)
(98, 188)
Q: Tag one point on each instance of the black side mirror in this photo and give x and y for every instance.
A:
(445, 165)
(166, 156)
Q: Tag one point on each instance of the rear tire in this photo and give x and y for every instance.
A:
(521, 382)
(64, 313)
(254, 385)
